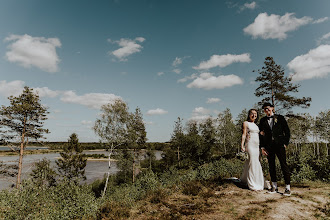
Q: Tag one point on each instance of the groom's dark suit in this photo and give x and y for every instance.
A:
(273, 140)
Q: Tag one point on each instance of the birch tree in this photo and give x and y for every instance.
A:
(118, 127)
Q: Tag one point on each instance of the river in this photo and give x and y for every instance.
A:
(95, 169)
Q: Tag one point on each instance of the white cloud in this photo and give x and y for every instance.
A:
(46, 92)
(177, 71)
(148, 122)
(185, 79)
(16, 87)
(127, 47)
(201, 110)
(91, 100)
(200, 114)
(13, 88)
(275, 26)
(30, 51)
(177, 61)
(208, 81)
(85, 122)
(314, 64)
(200, 118)
(213, 100)
(251, 6)
(223, 61)
(157, 111)
(321, 20)
(325, 38)
(160, 73)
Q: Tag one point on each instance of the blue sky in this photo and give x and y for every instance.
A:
(183, 58)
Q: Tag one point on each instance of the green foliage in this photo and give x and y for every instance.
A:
(43, 174)
(117, 126)
(24, 117)
(114, 210)
(72, 164)
(64, 201)
(125, 164)
(226, 134)
(97, 187)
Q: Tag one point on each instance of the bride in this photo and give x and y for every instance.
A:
(252, 174)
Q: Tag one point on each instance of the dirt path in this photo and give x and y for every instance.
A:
(304, 203)
(229, 201)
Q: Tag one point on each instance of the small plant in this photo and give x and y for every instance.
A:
(191, 188)
(114, 210)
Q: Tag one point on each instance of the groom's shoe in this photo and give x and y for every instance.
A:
(273, 190)
(287, 192)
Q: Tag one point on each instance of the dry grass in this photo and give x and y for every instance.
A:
(196, 200)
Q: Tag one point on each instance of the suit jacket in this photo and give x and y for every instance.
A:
(276, 137)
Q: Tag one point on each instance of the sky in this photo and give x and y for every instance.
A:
(176, 58)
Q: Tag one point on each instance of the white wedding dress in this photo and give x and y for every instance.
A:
(252, 174)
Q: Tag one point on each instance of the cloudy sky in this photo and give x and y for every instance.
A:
(173, 58)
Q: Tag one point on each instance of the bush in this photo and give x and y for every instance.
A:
(113, 210)
(64, 201)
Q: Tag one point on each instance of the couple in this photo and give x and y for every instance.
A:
(273, 134)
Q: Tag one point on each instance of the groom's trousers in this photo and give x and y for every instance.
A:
(281, 155)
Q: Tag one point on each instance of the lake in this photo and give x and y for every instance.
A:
(94, 169)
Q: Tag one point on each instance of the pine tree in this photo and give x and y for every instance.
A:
(72, 163)
(43, 175)
(277, 88)
(23, 118)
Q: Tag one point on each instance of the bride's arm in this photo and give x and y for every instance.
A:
(244, 132)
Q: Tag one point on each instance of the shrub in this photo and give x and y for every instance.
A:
(64, 201)
(113, 210)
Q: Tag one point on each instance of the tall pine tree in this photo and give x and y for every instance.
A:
(23, 118)
(277, 88)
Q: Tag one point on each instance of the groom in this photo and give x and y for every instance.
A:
(274, 138)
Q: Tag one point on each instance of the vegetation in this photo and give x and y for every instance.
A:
(72, 163)
(189, 179)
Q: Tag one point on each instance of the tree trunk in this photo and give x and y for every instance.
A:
(150, 161)
(133, 179)
(108, 174)
(179, 155)
(224, 143)
(21, 153)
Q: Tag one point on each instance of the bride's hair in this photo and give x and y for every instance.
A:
(249, 112)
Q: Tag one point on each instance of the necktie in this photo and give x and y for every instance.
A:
(270, 121)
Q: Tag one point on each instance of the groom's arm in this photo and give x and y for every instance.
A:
(286, 131)
(261, 135)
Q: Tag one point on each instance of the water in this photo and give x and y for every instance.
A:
(4, 148)
(93, 170)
